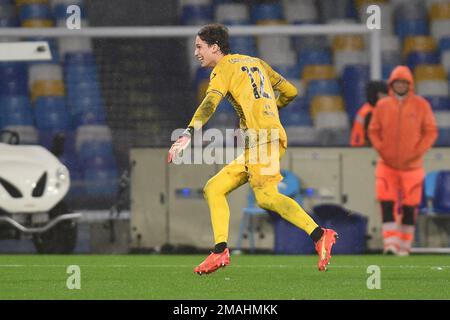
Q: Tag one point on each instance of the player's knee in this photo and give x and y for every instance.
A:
(209, 190)
(263, 199)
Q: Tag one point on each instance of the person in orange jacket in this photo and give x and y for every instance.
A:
(375, 90)
(401, 130)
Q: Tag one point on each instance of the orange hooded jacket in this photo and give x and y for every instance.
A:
(402, 130)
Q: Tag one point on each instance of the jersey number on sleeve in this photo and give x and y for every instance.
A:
(256, 92)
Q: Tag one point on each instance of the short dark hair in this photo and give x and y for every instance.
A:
(216, 34)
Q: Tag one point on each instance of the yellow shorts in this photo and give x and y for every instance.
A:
(261, 164)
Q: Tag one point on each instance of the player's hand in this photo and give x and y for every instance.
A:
(178, 147)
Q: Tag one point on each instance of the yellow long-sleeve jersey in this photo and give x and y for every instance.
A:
(250, 85)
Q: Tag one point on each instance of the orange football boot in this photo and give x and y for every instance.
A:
(213, 262)
(323, 248)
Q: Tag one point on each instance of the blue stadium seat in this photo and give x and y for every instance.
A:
(97, 153)
(322, 88)
(225, 107)
(15, 110)
(13, 70)
(196, 14)
(415, 58)
(310, 42)
(411, 10)
(35, 11)
(243, 45)
(406, 28)
(80, 71)
(441, 201)
(296, 114)
(355, 79)
(266, 11)
(386, 70)
(444, 44)
(443, 137)
(79, 58)
(9, 22)
(288, 72)
(317, 56)
(51, 113)
(439, 103)
(46, 138)
(429, 189)
(101, 182)
(95, 116)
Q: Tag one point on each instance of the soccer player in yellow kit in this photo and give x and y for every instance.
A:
(249, 84)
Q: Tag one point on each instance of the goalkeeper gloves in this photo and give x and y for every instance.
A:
(182, 143)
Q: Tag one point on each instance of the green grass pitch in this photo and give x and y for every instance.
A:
(259, 277)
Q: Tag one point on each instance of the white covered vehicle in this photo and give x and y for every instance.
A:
(33, 184)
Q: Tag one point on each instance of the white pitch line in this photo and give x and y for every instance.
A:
(234, 266)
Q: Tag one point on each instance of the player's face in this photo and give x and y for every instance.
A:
(400, 87)
(205, 53)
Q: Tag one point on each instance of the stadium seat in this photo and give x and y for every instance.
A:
(51, 113)
(439, 103)
(275, 49)
(429, 72)
(416, 58)
(354, 79)
(300, 11)
(302, 136)
(445, 60)
(85, 58)
(331, 120)
(318, 72)
(429, 187)
(34, 12)
(322, 87)
(243, 45)
(386, 70)
(334, 9)
(196, 13)
(441, 201)
(73, 44)
(36, 23)
(326, 104)
(101, 183)
(443, 137)
(406, 28)
(345, 58)
(432, 88)
(310, 42)
(313, 56)
(266, 13)
(27, 133)
(410, 10)
(44, 71)
(348, 43)
(235, 13)
(418, 43)
(296, 114)
(440, 29)
(440, 11)
(43, 88)
(15, 111)
(442, 118)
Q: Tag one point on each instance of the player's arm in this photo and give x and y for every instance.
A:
(203, 113)
(205, 110)
(286, 90)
